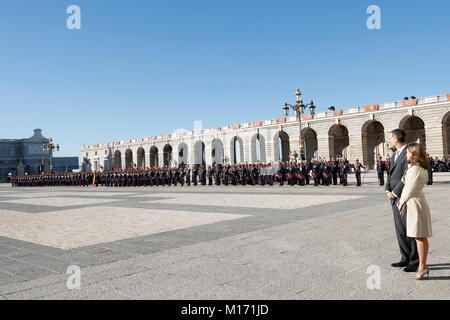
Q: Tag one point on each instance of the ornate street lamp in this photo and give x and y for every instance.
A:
(50, 147)
(299, 108)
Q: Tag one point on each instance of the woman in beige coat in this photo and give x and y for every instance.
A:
(413, 203)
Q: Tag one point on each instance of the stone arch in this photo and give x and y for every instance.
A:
(167, 155)
(129, 159)
(117, 159)
(339, 141)
(258, 148)
(199, 153)
(414, 127)
(141, 158)
(446, 133)
(217, 154)
(237, 150)
(281, 149)
(310, 143)
(154, 161)
(373, 142)
(182, 154)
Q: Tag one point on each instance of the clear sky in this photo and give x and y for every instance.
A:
(140, 68)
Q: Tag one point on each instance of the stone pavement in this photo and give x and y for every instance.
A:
(213, 243)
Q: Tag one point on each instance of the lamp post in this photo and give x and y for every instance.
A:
(50, 147)
(299, 108)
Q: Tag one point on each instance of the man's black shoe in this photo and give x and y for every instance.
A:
(400, 264)
(410, 268)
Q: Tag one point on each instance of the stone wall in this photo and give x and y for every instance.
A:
(432, 113)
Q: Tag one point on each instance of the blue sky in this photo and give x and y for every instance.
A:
(141, 68)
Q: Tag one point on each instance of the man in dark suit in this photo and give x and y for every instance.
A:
(393, 191)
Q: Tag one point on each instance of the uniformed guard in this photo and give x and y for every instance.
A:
(262, 174)
(202, 173)
(280, 175)
(309, 167)
(188, 176)
(255, 172)
(358, 167)
(272, 172)
(235, 175)
(387, 161)
(335, 172)
(210, 174)
(293, 170)
(153, 177)
(300, 173)
(381, 168)
(158, 178)
(182, 176)
(169, 176)
(226, 175)
(344, 169)
(315, 173)
(430, 170)
(327, 173)
(146, 178)
(195, 173)
(243, 174)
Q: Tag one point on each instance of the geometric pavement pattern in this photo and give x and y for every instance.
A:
(212, 242)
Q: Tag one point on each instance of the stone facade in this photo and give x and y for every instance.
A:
(355, 133)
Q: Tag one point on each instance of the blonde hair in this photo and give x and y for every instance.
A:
(418, 155)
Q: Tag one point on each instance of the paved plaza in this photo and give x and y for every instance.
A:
(214, 242)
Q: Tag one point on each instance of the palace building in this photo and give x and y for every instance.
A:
(356, 133)
(27, 156)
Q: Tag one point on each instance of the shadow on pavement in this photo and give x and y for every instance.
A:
(439, 266)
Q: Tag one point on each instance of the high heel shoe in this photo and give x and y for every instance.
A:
(420, 275)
